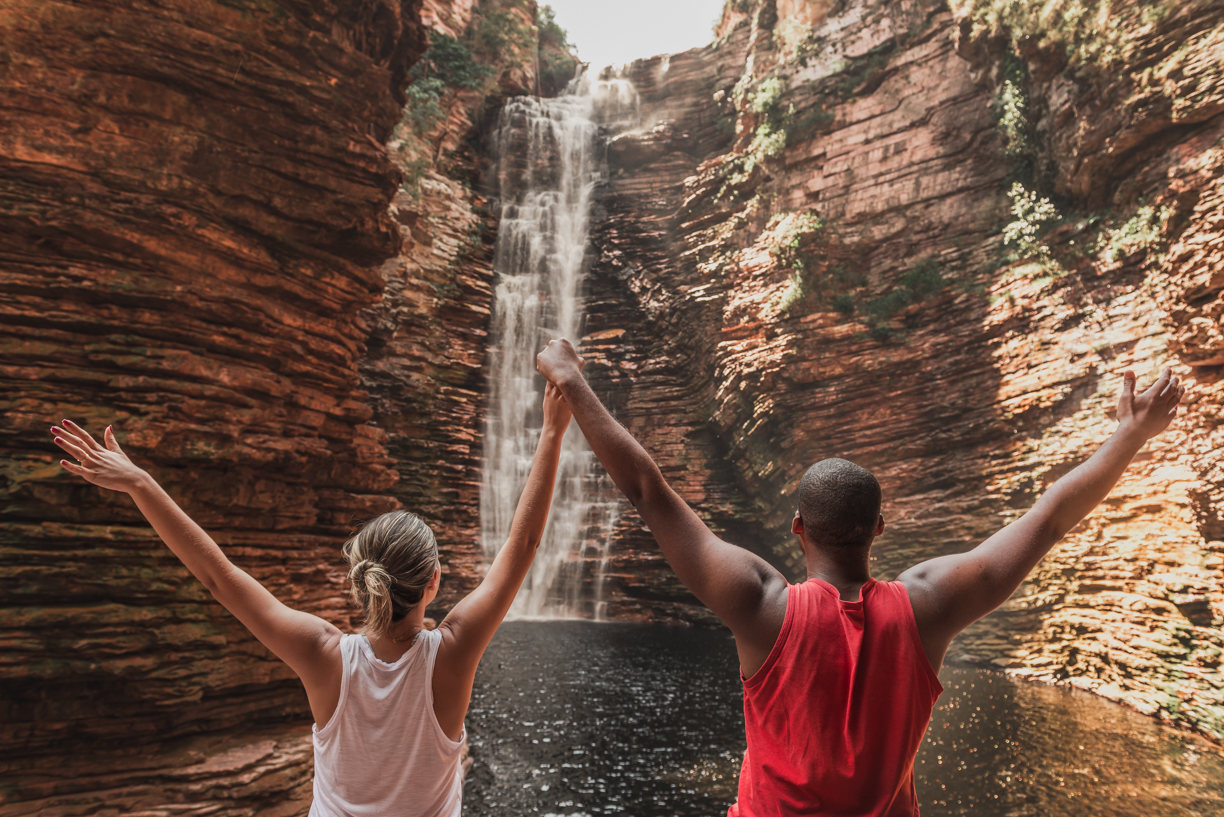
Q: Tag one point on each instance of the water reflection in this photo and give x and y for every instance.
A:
(579, 719)
(1001, 747)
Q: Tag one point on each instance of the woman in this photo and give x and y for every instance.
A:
(388, 703)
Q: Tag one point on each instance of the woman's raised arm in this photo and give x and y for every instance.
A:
(308, 644)
(466, 632)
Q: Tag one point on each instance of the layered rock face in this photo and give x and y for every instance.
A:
(800, 256)
(193, 215)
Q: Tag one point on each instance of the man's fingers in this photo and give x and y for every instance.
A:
(1157, 388)
(1170, 388)
(1128, 386)
(83, 437)
(72, 448)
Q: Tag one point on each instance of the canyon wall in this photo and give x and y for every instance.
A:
(247, 235)
(803, 254)
(193, 215)
(221, 233)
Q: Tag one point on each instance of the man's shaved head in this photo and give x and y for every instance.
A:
(839, 503)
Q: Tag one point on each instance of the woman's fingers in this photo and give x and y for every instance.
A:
(73, 468)
(108, 437)
(72, 433)
(83, 436)
(73, 448)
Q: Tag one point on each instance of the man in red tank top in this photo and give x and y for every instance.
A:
(840, 672)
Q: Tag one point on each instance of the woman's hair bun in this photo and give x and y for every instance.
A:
(392, 560)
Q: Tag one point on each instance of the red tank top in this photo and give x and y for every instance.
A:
(836, 713)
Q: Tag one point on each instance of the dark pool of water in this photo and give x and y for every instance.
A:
(578, 719)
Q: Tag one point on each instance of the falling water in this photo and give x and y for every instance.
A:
(547, 169)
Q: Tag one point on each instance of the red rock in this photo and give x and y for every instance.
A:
(994, 386)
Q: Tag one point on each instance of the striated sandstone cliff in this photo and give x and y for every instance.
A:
(193, 209)
(197, 246)
(226, 233)
(800, 255)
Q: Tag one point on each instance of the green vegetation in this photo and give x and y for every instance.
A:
(1010, 111)
(556, 66)
(1088, 32)
(865, 72)
(446, 68)
(498, 35)
(551, 34)
(451, 62)
(808, 123)
(792, 247)
(1033, 216)
(769, 139)
(917, 284)
(1141, 232)
(797, 239)
(793, 293)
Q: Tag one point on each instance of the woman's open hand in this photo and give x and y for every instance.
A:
(106, 467)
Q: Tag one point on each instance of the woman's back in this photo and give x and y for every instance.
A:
(392, 732)
(383, 752)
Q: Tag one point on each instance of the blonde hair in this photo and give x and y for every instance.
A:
(391, 561)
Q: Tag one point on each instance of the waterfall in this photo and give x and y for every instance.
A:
(547, 167)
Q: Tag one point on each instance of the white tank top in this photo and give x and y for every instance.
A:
(383, 754)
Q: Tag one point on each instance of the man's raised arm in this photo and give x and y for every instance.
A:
(739, 587)
(951, 592)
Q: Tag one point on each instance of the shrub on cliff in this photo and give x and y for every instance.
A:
(556, 66)
(1032, 215)
(915, 285)
(1140, 232)
(552, 35)
(502, 37)
(1086, 32)
(451, 61)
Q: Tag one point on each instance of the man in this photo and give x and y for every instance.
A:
(840, 672)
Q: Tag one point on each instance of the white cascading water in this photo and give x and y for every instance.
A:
(547, 170)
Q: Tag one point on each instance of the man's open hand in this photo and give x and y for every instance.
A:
(1151, 412)
(558, 361)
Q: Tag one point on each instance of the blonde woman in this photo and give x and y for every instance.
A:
(389, 702)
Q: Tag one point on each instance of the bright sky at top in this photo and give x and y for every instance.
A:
(612, 33)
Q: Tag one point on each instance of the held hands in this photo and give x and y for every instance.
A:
(558, 361)
(1151, 412)
(556, 411)
(106, 467)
